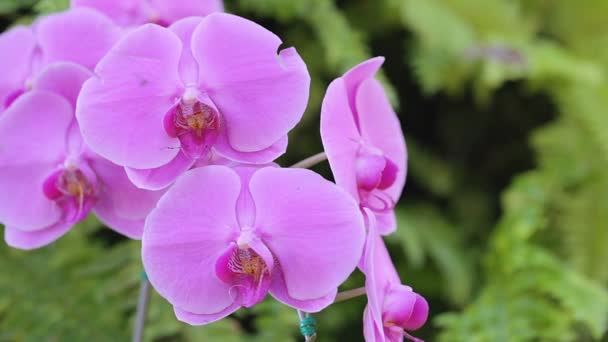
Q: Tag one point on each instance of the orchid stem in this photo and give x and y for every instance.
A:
(311, 161)
(349, 294)
(308, 326)
(142, 309)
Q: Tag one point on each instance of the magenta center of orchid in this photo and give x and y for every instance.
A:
(72, 190)
(247, 263)
(375, 173)
(247, 273)
(195, 122)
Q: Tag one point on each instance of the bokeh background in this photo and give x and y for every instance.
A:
(503, 225)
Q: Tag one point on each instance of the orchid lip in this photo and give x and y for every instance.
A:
(374, 169)
(403, 308)
(246, 271)
(73, 189)
(375, 173)
(377, 200)
(195, 121)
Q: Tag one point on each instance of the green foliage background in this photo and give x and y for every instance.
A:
(503, 225)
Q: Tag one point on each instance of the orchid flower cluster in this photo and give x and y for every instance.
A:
(164, 118)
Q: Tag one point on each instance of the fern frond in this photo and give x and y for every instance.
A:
(424, 233)
(531, 295)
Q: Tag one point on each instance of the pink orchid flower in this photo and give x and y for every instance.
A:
(50, 180)
(80, 36)
(221, 238)
(364, 143)
(165, 98)
(392, 307)
(128, 13)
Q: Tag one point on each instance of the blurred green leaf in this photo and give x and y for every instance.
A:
(50, 6)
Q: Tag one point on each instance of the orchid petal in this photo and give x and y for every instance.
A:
(387, 222)
(398, 304)
(25, 162)
(121, 111)
(380, 126)
(120, 204)
(310, 224)
(340, 137)
(17, 47)
(355, 76)
(420, 313)
(35, 238)
(279, 291)
(160, 177)
(378, 275)
(388, 299)
(133, 229)
(63, 78)
(79, 35)
(373, 331)
(186, 233)
(123, 12)
(34, 115)
(200, 319)
(261, 96)
(170, 10)
(27, 208)
(267, 155)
